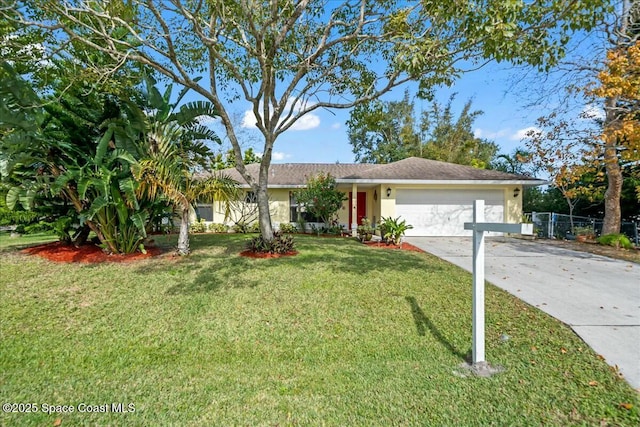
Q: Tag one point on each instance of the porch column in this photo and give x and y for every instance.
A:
(354, 209)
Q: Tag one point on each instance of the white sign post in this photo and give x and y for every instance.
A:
(479, 227)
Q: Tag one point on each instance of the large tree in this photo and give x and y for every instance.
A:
(387, 131)
(595, 91)
(384, 131)
(289, 58)
(452, 140)
(619, 87)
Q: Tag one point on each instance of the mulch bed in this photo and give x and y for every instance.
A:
(404, 246)
(88, 254)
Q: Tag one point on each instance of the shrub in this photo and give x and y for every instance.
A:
(335, 229)
(320, 197)
(365, 230)
(198, 227)
(218, 228)
(279, 245)
(243, 227)
(286, 227)
(38, 227)
(394, 229)
(615, 240)
(586, 230)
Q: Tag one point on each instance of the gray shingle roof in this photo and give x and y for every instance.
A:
(410, 169)
(416, 168)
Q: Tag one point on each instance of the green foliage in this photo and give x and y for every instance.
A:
(62, 227)
(228, 160)
(384, 132)
(243, 227)
(198, 226)
(586, 230)
(289, 228)
(15, 216)
(615, 240)
(320, 197)
(280, 244)
(452, 140)
(177, 148)
(75, 152)
(298, 57)
(394, 229)
(365, 230)
(218, 228)
(38, 227)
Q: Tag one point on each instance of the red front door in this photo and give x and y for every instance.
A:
(361, 205)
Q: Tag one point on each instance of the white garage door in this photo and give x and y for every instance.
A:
(444, 212)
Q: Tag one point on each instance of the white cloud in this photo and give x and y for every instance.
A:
(278, 155)
(591, 112)
(524, 133)
(306, 122)
(249, 120)
(336, 126)
(482, 133)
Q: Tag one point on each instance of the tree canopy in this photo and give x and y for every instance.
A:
(289, 58)
(387, 131)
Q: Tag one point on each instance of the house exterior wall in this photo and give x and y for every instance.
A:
(512, 208)
(513, 205)
(379, 206)
(278, 207)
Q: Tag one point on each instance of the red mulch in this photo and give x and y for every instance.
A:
(404, 246)
(89, 254)
(250, 254)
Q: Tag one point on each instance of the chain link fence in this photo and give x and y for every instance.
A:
(551, 225)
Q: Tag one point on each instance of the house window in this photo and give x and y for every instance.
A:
(205, 212)
(293, 207)
(297, 212)
(250, 197)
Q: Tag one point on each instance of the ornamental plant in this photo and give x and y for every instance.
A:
(320, 197)
(394, 229)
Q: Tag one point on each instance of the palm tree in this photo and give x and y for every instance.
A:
(167, 172)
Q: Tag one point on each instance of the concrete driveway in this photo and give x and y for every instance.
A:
(597, 296)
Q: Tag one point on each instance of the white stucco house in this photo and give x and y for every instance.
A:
(436, 198)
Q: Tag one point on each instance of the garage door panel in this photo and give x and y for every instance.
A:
(444, 212)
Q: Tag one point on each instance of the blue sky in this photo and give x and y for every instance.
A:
(322, 137)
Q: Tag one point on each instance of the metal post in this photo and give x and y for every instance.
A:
(477, 350)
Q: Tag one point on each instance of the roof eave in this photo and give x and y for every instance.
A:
(525, 182)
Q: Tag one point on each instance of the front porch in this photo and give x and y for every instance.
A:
(371, 201)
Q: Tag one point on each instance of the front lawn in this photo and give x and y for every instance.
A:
(9, 240)
(339, 335)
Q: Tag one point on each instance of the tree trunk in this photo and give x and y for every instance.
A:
(264, 216)
(81, 236)
(613, 193)
(183, 237)
(612, 211)
(570, 215)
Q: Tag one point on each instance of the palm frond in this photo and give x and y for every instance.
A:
(191, 111)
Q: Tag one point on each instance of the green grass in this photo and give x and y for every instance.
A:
(21, 241)
(340, 335)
